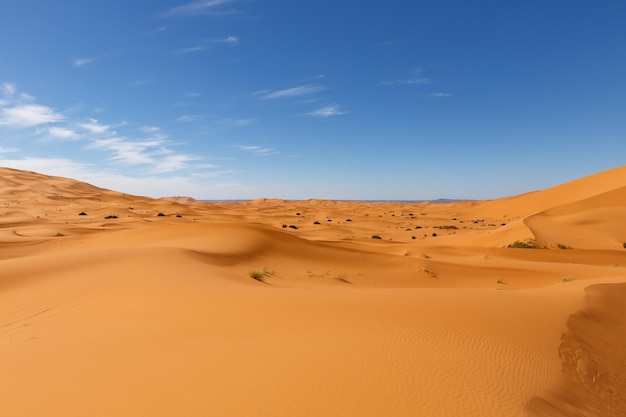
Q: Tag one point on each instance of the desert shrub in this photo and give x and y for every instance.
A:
(445, 227)
(530, 244)
(258, 275)
(562, 246)
(624, 245)
(82, 213)
(160, 215)
(112, 216)
(316, 222)
(342, 278)
(284, 226)
(376, 237)
(293, 226)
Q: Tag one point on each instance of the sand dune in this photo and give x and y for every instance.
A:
(112, 304)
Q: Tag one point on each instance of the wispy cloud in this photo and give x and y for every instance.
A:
(81, 62)
(8, 150)
(439, 94)
(8, 89)
(28, 115)
(289, 92)
(62, 133)
(94, 127)
(152, 151)
(231, 40)
(190, 50)
(127, 151)
(174, 163)
(207, 45)
(415, 77)
(146, 149)
(202, 7)
(258, 150)
(327, 111)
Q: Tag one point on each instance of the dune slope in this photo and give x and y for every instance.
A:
(112, 304)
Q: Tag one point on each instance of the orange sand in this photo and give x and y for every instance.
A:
(148, 315)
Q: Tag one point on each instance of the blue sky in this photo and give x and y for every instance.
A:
(237, 99)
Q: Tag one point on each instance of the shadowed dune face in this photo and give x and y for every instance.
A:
(112, 304)
(594, 359)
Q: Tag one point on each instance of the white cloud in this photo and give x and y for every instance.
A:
(51, 166)
(150, 129)
(258, 150)
(94, 127)
(201, 7)
(152, 151)
(81, 62)
(207, 45)
(191, 49)
(8, 89)
(229, 39)
(174, 163)
(290, 92)
(127, 151)
(441, 94)
(7, 150)
(327, 111)
(62, 133)
(28, 115)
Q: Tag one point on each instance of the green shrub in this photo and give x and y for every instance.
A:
(258, 275)
(376, 237)
(529, 244)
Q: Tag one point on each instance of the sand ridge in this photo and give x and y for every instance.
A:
(112, 304)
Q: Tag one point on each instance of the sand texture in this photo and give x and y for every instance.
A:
(121, 305)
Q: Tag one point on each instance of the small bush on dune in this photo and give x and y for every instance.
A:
(530, 244)
(376, 237)
(342, 278)
(258, 275)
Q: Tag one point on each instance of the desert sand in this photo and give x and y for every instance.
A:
(120, 305)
